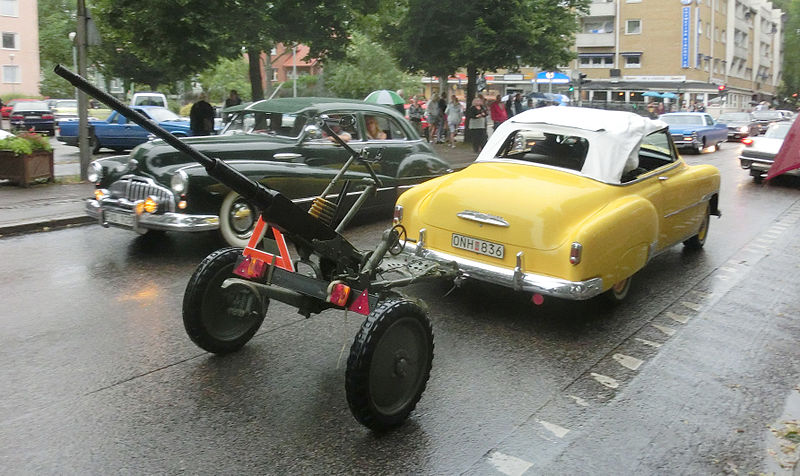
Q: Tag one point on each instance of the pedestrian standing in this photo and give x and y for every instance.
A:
(517, 106)
(477, 124)
(433, 114)
(498, 112)
(442, 118)
(232, 100)
(201, 117)
(415, 113)
(454, 112)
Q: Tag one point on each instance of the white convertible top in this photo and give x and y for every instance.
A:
(614, 136)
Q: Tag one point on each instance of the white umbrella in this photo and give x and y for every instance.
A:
(384, 96)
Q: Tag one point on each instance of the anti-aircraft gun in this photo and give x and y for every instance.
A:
(227, 297)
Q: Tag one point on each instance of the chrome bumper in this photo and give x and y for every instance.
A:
(168, 221)
(514, 279)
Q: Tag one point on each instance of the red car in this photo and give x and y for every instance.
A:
(7, 107)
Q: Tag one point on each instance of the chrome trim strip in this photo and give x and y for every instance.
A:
(535, 283)
(481, 217)
(702, 200)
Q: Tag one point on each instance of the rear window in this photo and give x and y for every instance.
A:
(682, 120)
(266, 123)
(567, 152)
(31, 106)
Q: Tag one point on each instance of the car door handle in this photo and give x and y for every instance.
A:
(663, 177)
(287, 156)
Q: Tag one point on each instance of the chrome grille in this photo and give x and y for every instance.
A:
(132, 189)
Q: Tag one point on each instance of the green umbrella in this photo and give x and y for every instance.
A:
(384, 96)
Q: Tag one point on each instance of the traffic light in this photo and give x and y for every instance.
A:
(723, 90)
(571, 88)
(582, 79)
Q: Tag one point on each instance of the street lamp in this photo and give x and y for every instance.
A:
(72, 36)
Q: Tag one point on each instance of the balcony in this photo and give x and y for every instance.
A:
(586, 40)
(607, 9)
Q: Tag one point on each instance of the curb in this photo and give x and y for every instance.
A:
(45, 225)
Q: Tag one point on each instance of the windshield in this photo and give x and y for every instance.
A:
(31, 106)
(267, 123)
(161, 115)
(70, 103)
(768, 115)
(738, 117)
(778, 131)
(682, 120)
(545, 148)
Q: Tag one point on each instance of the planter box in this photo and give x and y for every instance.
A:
(25, 169)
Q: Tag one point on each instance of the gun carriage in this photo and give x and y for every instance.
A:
(228, 296)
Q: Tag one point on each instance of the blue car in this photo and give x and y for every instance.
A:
(695, 130)
(117, 133)
(32, 115)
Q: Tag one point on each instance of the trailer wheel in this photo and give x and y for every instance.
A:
(389, 364)
(220, 320)
(237, 219)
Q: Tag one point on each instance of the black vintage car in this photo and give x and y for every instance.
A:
(276, 142)
(740, 124)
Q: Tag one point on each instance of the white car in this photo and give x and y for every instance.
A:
(759, 152)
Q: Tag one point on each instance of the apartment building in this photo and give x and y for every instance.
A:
(19, 51)
(685, 50)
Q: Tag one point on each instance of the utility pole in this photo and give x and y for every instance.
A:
(83, 103)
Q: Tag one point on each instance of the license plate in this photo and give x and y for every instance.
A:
(475, 245)
(124, 219)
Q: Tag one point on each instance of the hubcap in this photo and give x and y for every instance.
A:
(241, 217)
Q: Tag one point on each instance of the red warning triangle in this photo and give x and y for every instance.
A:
(361, 304)
(283, 260)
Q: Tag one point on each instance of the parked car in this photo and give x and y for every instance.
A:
(275, 142)
(117, 133)
(740, 124)
(788, 115)
(64, 108)
(695, 130)
(149, 99)
(32, 115)
(564, 202)
(767, 118)
(5, 111)
(759, 152)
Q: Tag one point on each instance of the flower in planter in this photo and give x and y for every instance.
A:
(25, 143)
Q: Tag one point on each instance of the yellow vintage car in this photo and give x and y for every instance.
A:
(563, 201)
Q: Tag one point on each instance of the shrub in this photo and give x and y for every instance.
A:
(25, 143)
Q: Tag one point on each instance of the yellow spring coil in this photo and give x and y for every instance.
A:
(323, 210)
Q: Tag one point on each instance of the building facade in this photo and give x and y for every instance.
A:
(721, 53)
(19, 51)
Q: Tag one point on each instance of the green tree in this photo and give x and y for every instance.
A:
(221, 78)
(791, 62)
(56, 21)
(443, 36)
(367, 67)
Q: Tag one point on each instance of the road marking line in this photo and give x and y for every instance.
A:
(605, 380)
(666, 330)
(678, 317)
(627, 361)
(579, 401)
(557, 430)
(702, 294)
(691, 305)
(648, 342)
(510, 465)
(729, 270)
(722, 277)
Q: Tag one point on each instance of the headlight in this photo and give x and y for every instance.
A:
(95, 172)
(179, 182)
(743, 129)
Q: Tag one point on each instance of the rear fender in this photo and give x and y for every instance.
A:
(422, 165)
(616, 241)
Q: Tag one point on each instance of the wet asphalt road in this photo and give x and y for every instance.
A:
(686, 377)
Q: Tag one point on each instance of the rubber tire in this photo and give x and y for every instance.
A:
(697, 241)
(717, 146)
(204, 303)
(367, 389)
(619, 291)
(241, 236)
(94, 143)
(701, 148)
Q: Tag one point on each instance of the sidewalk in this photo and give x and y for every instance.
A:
(49, 205)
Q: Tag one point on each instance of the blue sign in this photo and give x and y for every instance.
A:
(686, 12)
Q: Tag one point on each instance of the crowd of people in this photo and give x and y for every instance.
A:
(444, 116)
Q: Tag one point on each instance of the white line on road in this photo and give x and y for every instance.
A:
(605, 380)
(510, 465)
(627, 361)
(691, 305)
(579, 401)
(678, 317)
(648, 342)
(557, 430)
(666, 330)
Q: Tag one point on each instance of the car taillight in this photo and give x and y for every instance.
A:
(47, 116)
(17, 117)
(575, 253)
(747, 141)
